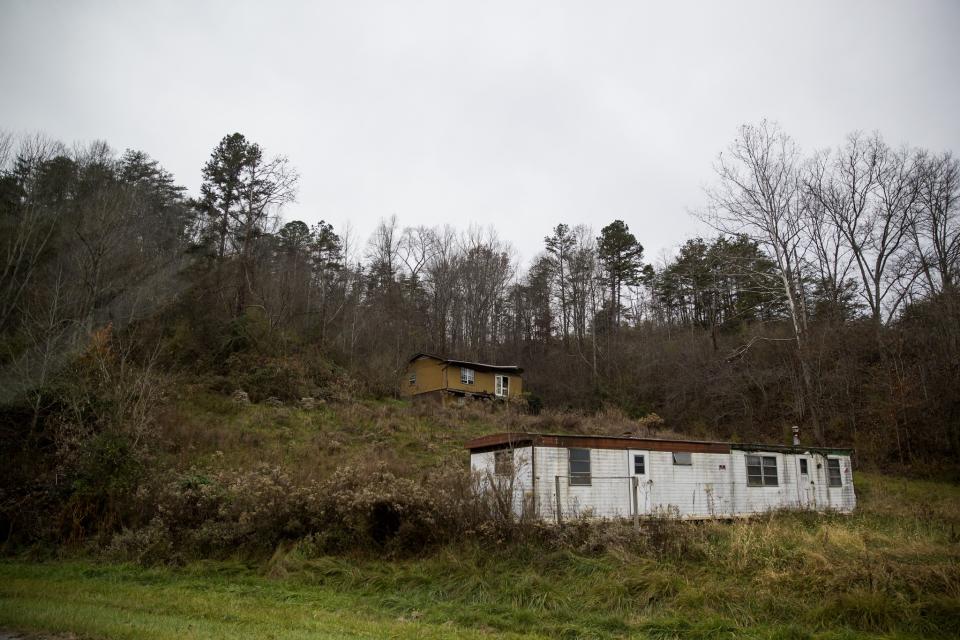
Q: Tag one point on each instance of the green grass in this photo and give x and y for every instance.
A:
(221, 601)
(892, 570)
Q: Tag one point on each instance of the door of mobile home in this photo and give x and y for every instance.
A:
(639, 485)
(818, 482)
(805, 474)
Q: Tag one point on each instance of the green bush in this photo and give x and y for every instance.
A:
(108, 465)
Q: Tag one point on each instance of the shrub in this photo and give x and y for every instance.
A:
(266, 376)
(357, 509)
(210, 515)
(73, 473)
(363, 509)
(147, 545)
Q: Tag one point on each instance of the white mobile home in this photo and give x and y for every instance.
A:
(561, 476)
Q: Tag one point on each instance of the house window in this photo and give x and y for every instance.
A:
(833, 472)
(682, 458)
(761, 471)
(638, 467)
(467, 376)
(413, 379)
(803, 466)
(579, 466)
(502, 387)
(503, 463)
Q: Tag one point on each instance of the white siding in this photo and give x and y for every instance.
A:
(701, 489)
(483, 463)
(607, 495)
(714, 485)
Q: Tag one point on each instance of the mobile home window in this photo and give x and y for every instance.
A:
(502, 388)
(503, 463)
(466, 376)
(833, 472)
(579, 466)
(638, 467)
(761, 471)
(803, 466)
(413, 379)
(682, 458)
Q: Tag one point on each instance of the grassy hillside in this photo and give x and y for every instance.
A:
(209, 430)
(891, 570)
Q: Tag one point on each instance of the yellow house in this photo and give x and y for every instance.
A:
(429, 375)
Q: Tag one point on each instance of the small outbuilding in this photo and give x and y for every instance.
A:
(553, 476)
(428, 375)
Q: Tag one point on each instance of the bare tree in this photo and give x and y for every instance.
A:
(866, 192)
(415, 249)
(759, 196)
(824, 201)
(935, 228)
(584, 280)
(890, 271)
(487, 266)
(267, 185)
(559, 247)
(7, 141)
(383, 252)
(29, 224)
(442, 280)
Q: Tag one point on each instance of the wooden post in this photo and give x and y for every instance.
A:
(635, 481)
(556, 481)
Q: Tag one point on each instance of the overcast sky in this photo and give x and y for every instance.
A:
(515, 114)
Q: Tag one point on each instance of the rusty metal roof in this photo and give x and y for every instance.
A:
(521, 439)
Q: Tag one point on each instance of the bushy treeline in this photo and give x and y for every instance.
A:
(828, 298)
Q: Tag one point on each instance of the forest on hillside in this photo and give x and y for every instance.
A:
(828, 297)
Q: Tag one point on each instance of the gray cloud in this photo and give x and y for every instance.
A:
(516, 114)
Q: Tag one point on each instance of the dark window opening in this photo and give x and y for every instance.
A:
(761, 471)
(803, 466)
(638, 467)
(580, 466)
(833, 472)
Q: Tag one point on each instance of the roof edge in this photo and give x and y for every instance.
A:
(523, 438)
(424, 354)
(466, 363)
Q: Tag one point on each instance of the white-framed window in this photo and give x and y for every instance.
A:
(502, 387)
(579, 466)
(761, 471)
(682, 458)
(467, 376)
(834, 476)
(638, 465)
